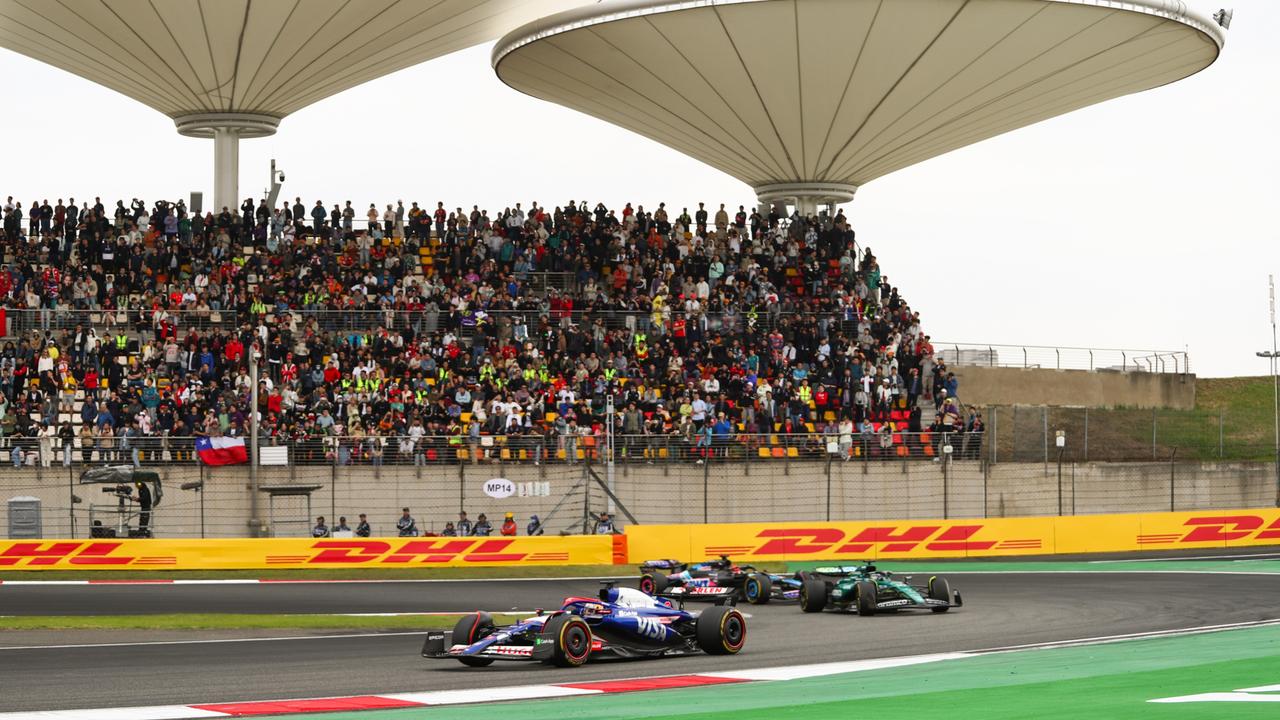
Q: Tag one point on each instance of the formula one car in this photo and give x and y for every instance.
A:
(868, 591)
(622, 622)
(714, 579)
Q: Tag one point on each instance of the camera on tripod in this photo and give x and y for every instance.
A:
(121, 491)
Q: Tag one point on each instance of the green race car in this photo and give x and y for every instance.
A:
(867, 590)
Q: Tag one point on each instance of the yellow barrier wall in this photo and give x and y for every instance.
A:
(994, 537)
(303, 553)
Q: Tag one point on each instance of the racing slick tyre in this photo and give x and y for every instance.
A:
(471, 628)
(864, 596)
(653, 583)
(940, 589)
(572, 638)
(757, 589)
(813, 595)
(721, 630)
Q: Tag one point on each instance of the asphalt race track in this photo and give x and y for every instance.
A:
(1000, 610)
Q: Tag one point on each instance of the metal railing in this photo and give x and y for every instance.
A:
(1062, 358)
(533, 448)
(22, 321)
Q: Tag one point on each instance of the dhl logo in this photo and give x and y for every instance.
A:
(354, 552)
(89, 554)
(1218, 529)
(890, 539)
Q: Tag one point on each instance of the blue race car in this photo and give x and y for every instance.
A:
(715, 579)
(621, 622)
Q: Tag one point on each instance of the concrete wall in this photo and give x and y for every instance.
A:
(1078, 388)
(677, 493)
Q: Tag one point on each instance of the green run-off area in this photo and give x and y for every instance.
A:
(1114, 680)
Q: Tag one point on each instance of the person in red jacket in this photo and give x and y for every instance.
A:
(234, 350)
(508, 525)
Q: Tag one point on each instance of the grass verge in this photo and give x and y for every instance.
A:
(221, 621)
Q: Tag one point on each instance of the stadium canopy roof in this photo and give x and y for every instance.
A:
(233, 68)
(805, 100)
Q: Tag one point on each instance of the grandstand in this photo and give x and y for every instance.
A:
(435, 335)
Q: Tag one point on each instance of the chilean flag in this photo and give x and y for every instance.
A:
(221, 450)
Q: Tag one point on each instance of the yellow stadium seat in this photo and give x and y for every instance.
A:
(463, 454)
(792, 452)
(551, 417)
(466, 417)
(763, 452)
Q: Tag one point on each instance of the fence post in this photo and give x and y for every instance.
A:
(1060, 450)
(333, 490)
(828, 487)
(1172, 470)
(706, 482)
(1044, 433)
(71, 498)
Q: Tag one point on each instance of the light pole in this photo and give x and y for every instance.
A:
(1061, 441)
(1275, 379)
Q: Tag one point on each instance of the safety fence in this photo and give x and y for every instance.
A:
(1062, 358)
(569, 497)
(1031, 434)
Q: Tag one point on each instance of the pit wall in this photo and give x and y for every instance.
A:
(985, 386)
(744, 542)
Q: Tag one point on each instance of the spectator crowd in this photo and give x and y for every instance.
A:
(420, 334)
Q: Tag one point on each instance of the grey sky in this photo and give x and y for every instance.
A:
(1147, 222)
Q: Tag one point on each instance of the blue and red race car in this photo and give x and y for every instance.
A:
(715, 579)
(621, 622)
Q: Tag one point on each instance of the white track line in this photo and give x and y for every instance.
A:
(1195, 557)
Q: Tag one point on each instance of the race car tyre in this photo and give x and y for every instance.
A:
(473, 627)
(757, 589)
(864, 595)
(940, 589)
(653, 583)
(572, 638)
(813, 595)
(721, 630)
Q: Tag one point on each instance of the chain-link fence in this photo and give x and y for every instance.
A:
(567, 496)
(1030, 434)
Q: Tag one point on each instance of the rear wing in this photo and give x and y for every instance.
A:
(666, 564)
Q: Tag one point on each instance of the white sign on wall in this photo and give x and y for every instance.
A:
(499, 488)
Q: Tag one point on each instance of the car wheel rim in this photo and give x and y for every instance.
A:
(733, 631)
(646, 586)
(575, 643)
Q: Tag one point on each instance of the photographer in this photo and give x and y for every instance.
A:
(143, 498)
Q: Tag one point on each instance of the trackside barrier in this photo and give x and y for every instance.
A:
(296, 554)
(881, 540)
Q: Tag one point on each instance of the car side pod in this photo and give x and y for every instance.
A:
(434, 645)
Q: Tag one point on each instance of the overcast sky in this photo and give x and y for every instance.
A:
(1148, 222)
